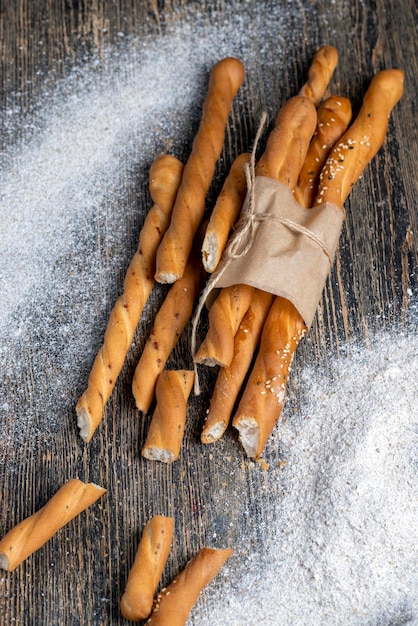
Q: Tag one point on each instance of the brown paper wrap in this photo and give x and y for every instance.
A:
(281, 247)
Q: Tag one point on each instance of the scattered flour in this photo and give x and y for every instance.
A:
(342, 546)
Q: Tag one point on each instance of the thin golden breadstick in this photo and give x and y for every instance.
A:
(230, 379)
(146, 571)
(169, 323)
(165, 177)
(165, 434)
(334, 115)
(362, 140)
(265, 391)
(33, 532)
(262, 402)
(320, 72)
(225, 79)
(225, 316)
(173, 605)
(288, 142)
(282, 159)
(225, 212)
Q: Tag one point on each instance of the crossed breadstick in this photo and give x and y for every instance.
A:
(165, 177)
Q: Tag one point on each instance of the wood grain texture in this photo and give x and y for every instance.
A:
(79, 576)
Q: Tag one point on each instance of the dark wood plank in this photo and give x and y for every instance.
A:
(215, 493)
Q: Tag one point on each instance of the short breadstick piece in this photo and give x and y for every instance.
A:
(225, 316)
(362, 140)
(333, 118)
(165, 177)
(225, 79)
(225, 212)
(173, 605)
(146, 571)
(33, 532)
(165, 434)
(265, 391)
(169, 323)
(320, 72)
(230, 379)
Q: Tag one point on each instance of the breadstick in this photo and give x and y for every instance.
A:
(362, 140)
(165, 177)
(288, 142)
(333, 118)
(166, 430)
(265, 391)
(225, 79)
(320, 72)
(284, 155)
(169, 323)
(230, 379)
(262, 402)
(147, 569)
(33, 532)
(173, 605)
(225, 316)
(225, 212)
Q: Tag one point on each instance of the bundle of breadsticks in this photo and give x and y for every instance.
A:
(274, 269)
(268, 247)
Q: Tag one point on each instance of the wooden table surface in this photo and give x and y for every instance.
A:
(371, 285)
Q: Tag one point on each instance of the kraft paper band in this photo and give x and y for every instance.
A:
(281, 247)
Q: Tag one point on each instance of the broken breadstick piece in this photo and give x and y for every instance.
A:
(356, 148)
(165, 434)
(334, 115)
(173, 253)
(230, 379)
(265, 391)
(146, 571)
(173, 604)
(320, 72)
(33, 532)
(169, 323)
(225, 212)
(165, 177)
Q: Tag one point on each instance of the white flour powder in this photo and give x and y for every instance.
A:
(342, 544)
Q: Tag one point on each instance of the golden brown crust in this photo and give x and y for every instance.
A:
(146, 571)
(225, 79)
(173, 605)
(320, 72)
(225, 316)
(225, 212)
(33, 532)
(165, 177)
(288, 142)
(334, 115)
(169, 323)
(362, 140)
(230, 379)
(264, 394)
(165, 434)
